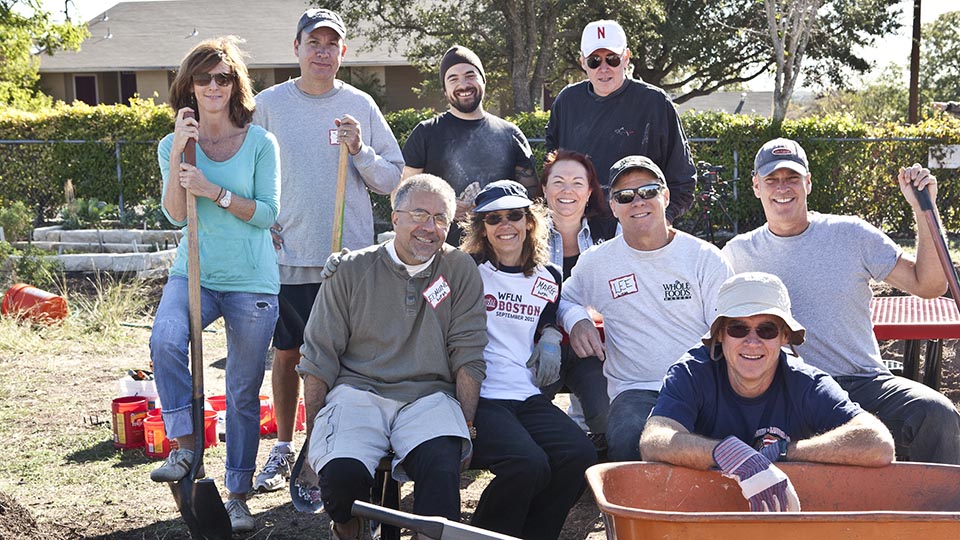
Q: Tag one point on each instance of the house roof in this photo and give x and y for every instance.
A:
(157, 35)
(760, 103)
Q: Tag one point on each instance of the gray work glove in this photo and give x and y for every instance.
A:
(333, 261)
(765, 487)
(545, 360)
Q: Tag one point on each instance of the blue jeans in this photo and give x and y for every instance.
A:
(539, 456)
(585, 379)
(628, 416)
(250, 319)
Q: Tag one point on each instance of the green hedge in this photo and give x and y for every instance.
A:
(853, 172)
(37, 173)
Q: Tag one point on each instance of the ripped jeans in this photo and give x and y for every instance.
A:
(250, 319)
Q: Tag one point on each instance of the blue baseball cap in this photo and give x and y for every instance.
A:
(502, 195)
(780, 154)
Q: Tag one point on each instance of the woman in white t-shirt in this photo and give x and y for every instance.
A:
(536, 452)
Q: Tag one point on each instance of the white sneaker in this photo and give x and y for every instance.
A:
(240, 518)
(175, 467)
(276, 471)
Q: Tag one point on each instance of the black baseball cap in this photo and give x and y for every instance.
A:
(319, 18)
(635, 162)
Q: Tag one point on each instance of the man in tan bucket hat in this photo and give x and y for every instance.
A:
(741, 402)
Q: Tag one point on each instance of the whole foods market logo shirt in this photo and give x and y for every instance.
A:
(678, 290)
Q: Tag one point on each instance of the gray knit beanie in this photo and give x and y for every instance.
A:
(459, 54)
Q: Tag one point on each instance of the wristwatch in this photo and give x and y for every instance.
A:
(224, 201)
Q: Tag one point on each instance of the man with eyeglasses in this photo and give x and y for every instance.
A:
(656, 289)
(827, 262)
(393, 359)
(311, 117)
(610, 115)
(740, 403)
(467, 146)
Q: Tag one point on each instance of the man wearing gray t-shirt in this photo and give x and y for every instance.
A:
(827, 262)
(311, 116)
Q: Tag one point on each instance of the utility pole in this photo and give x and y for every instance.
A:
(914, 105)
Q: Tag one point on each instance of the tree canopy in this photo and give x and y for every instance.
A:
(688, 47)
(940, 58)
(25, 32)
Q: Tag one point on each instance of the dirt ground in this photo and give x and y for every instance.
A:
(92, 490)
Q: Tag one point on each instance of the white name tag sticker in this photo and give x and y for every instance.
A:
(545, 289)
(437, 292)
(622, 286)
(334, 137)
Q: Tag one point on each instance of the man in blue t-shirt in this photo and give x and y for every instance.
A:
(741, 404)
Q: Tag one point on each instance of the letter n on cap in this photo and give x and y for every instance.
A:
(601, 32)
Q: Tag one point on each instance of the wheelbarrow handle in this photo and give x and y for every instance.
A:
(434, 527)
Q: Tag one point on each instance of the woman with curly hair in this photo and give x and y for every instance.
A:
(537, 453)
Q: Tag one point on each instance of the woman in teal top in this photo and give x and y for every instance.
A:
(237, 185)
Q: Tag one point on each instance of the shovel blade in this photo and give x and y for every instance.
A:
(303, 500)
(202, 509)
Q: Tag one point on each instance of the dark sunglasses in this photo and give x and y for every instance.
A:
(767, 330)
(612, 60)
(223, 79)
(626, 196)
(495, 219)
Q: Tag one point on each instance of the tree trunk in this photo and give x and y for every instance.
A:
(531, 30)
(790, 23)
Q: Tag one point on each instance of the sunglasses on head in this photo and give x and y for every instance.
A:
(767, 330)
(626, 196)
(495, 219)
(223, 79)
(594, 60)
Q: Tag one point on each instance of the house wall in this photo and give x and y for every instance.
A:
(401, 80)
(108, 86)
(398, 83)
(150, 82)
(57, 85)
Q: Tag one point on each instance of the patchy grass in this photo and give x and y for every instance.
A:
(56, 387)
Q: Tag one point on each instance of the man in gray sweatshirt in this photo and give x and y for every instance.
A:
(311, 116)
(393, 360)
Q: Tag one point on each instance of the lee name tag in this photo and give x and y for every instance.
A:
(334, 137)
(437, 292)
(545, 289)
(622, 286)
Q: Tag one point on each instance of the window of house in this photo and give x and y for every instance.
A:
(128, 86)
(85, 88)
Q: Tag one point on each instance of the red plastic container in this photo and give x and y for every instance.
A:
(28, 302)
(268, 417)
(128, 415)
(155, 436)
(301, 423)
(219, 404)
(209, 428)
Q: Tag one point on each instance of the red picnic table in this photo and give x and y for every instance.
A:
(914, 320)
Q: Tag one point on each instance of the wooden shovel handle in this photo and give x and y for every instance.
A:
(337, 241)
(193, 281)
(936, 231)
